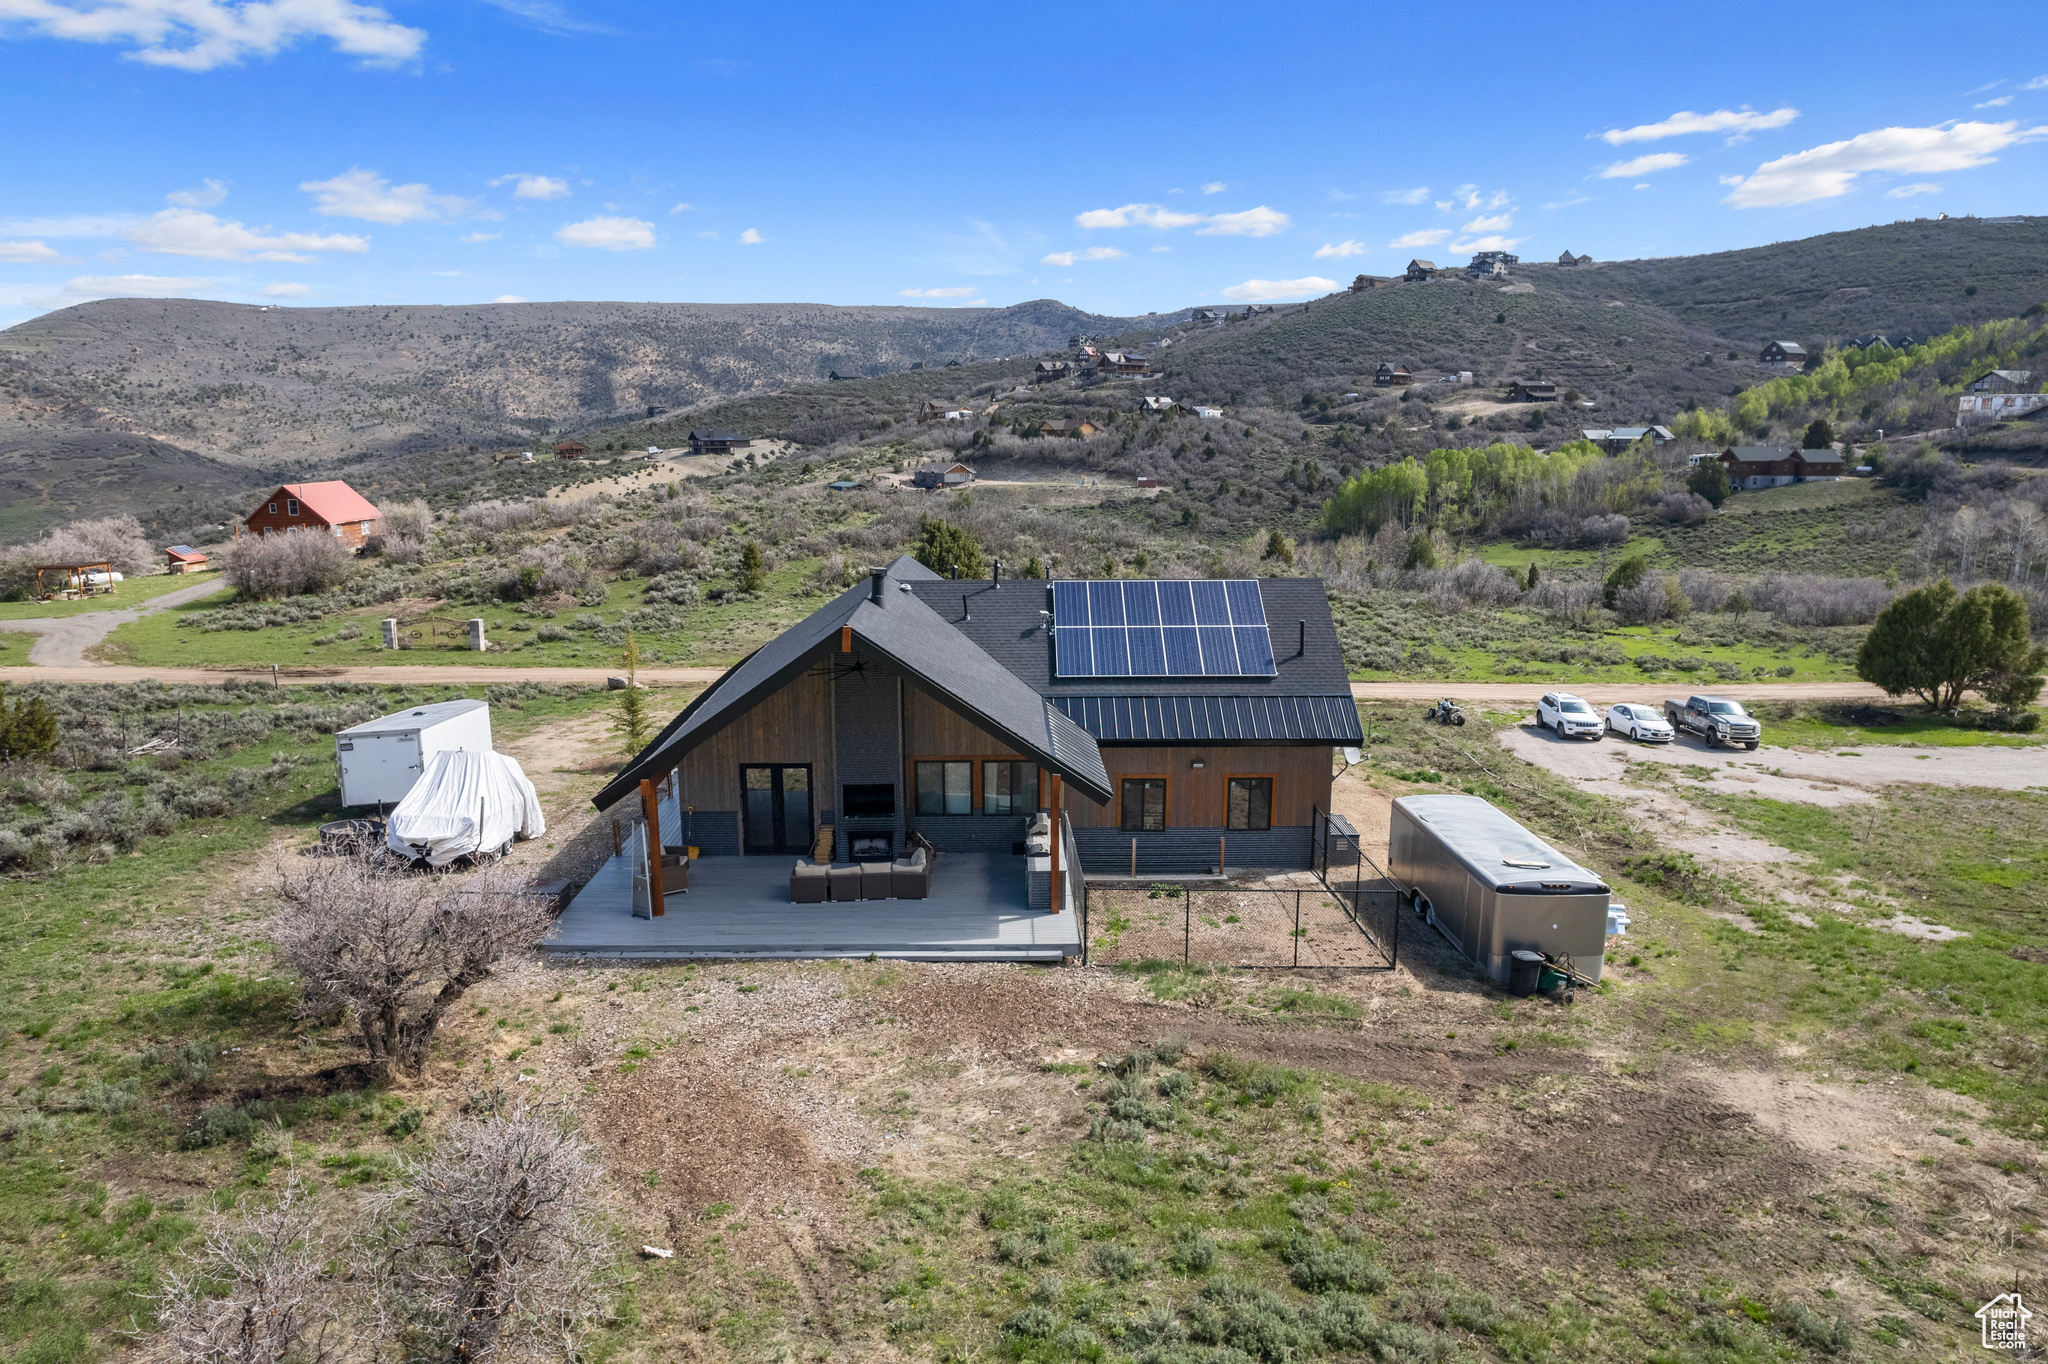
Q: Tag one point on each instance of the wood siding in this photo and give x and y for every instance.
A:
(793, 725)
(1195, 799)
(930, 730)
(263, 521)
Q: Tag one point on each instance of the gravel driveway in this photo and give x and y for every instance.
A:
(63, 640)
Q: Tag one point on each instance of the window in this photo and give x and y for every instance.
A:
(273, 509)
(1251, 803)
(1144, 805)
(291, 506)
(945, 788)
(1009, 788)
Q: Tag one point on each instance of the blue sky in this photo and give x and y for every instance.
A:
(336, 152)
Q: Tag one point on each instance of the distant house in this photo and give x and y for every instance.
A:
(917, 364)
(1209, 315)
(1866, 342)
(1993, 406)
(957, 414)
(1531, 391)
(1208, 413)
(1068, 428)
(333, 507)
(1421, 269)
(572, 449)
(1255, 309)
(1621, 437)
(1782, 353)
(1486, 269)
(837, 376)
(1768, 466)
(1123, 362)
(2002, 381)
(183, 559)
(1089, 354)
(1158, 404)
(1391, 376)
(941, 475)
(1567, 259)
(929, 411)
(844, 485)
(1360, 283)
(1147, 481)
(717, 442)
(1047, 371)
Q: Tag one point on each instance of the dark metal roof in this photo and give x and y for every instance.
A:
(1216, 719)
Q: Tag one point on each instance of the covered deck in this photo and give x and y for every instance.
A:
(978, 910)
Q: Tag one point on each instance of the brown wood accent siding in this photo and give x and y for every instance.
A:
(1197, 799)
(932, 731)
(793, 725)
(353, 533)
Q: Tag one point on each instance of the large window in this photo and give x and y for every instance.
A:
(1251, 803)
(945, 788)
(1144, 804)
(1009, 788)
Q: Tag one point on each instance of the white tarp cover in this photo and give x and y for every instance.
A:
(464, 803)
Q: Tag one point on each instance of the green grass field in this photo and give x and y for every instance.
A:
(1829, 727)
(128, 592)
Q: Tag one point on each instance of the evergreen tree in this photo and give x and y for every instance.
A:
(1533, 577)
(1421, 551)
(1630, 571)
(941, 545)
(752, 577)
(1278, 548)
(1710, 480)
(1938, 644)
(1033, 567)
(28, 729)
(1819, 436)
(632, 723)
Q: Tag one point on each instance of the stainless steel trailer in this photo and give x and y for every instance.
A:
(1491, 886)
(379, 760)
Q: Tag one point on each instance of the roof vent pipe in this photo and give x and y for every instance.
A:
(1301, 648)
(876, 577)
(999, 574)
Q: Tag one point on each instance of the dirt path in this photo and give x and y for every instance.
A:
(62, 640)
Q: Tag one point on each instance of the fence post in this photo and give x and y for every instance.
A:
(1134, 858)
(1187, 932)
(1297, 928)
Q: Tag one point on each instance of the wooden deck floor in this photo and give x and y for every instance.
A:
(739, 907)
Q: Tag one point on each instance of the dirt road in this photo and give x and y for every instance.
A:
(1604, 694)
(63, 640)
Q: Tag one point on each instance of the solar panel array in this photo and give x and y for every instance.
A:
(1161, 629)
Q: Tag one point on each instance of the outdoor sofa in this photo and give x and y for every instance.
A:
(907, 878)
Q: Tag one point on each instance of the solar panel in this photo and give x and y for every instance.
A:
(1161, 629)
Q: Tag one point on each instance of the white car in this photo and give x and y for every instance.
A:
(1568, 717)
(1639, 722)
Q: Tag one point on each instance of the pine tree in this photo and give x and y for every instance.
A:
(28, 729)
(632, 723)
(1819, 436)
(752, 578)
(941, 546)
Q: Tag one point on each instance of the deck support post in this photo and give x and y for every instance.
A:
(650, 800)
(1053, 900)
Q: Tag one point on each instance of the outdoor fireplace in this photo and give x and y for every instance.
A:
(862, 846)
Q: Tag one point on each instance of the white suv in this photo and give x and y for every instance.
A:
(1569, 717)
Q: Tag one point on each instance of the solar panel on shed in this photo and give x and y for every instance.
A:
(1161, 629)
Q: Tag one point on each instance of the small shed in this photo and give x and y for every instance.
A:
(183, 559)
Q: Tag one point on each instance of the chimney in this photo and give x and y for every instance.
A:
(999, 574)
(876, 578)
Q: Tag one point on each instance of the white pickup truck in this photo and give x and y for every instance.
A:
(1715, 719)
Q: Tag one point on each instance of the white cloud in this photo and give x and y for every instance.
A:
(188, 232)
(1136, 215)
(1489, 222)
(549, 17)
(1214, 187)
(525, 186)
(1092, 253)
(1998, 103)
(708, 234)
(1272, 290)
(1645, 165)
(474, 237)
(1411, 197)
(1495, 243)
(357, 193)
(508, 298)
(1738, 122)
(2037, 83)
(608, 234)
(27, 253)
(750, 237)
(959, 291)
(1918, 187)
(135, 286)
(209, 193)
(199, 35)
(684, 208)
(1427, 237)
(1829, 171)
(1162, 248)
(286, 290)
(1339, 250)
(1253, 222)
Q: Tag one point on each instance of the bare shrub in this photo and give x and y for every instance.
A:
(412, 520)
(493, 1249)
(267, 567)
(1704, 588)
(402, 549)
(1684, 508)
(1471, 583)
(280, 1305)
(1646, 602)
(393, 950)
(1811, 599)
(1564, 598)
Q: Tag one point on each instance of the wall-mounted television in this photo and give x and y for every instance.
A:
(868, 800)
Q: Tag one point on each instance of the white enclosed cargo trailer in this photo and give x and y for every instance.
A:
(381, 759)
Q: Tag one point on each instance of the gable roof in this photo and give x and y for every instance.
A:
(1759, 454)
(906, 631)
(1829, 456)
(185, 552)
(717, 435)
(1790, 347)
(333, 502)
(1422, 264)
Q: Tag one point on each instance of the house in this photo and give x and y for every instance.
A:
(1769, 466)
(1211, 315)
(1068, 428)
(332, 507)
(1158, 404)
(1124, 362)
(1168, 725)
(1486, 269)
(1867, 342)
(1147, 481)
(2002, 381)
(1782, 353)
(1047, 371)
(1421, 269)
(941, 475)
(183, 559)
(1361, 283)
(957, 414)
(929, 411)
(1567, 258)
(572, 449)
(1531, 391)
(838, 377)
(1621, 437)
(1208, 413)
(1388, 375)
(717, 442)
(1991, 407)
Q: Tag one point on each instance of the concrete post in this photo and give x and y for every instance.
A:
(476, 635)
(391, 632)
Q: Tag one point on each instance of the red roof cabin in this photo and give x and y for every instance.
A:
(333, 507)
(183, 559)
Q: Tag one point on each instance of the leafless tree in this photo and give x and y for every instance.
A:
(280, 1304)
(117, 540)
(494, 1248)
(267, 567)
(395, 950)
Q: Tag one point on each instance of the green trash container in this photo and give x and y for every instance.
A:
(1525, 969)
